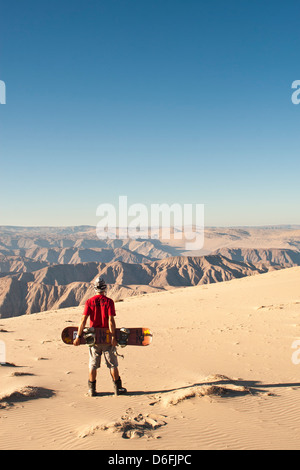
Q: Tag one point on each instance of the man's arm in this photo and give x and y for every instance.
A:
(112, 329)
(80, 330)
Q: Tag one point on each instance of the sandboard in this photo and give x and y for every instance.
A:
(135, 337)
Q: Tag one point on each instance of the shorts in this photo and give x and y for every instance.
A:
(109, 353)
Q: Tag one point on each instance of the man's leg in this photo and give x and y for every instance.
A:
(112, 363)
(92, 382)
(94, 364)
(92, 375)
(115, 373)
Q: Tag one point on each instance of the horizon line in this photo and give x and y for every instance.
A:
(156, 227)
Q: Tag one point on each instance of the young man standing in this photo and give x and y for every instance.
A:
(101, 311)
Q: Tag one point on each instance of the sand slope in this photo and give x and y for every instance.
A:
(219, 374)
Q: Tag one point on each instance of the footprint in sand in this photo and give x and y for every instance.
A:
(131, 426)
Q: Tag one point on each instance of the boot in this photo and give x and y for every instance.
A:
(92, 389)
(119, 390)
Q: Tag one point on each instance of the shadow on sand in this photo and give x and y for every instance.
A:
(247, 387)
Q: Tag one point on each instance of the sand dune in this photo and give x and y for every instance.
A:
(218, 375)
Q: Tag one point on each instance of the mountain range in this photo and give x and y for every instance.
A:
(51, 268)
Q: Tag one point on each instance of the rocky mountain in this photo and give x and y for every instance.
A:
(44, 268)
(30, 249)
(61, 286)
(272, 257)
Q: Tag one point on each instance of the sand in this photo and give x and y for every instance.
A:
(218, 375)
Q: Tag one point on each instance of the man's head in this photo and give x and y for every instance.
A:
(100, 285)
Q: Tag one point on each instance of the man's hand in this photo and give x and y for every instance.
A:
(114, 341)
(112, 329)
(76, 341)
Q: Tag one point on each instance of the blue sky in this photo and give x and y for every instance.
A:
(163, 101)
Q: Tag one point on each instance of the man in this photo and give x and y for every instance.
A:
(101, 311)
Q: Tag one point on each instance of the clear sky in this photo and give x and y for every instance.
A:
(165, 101)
